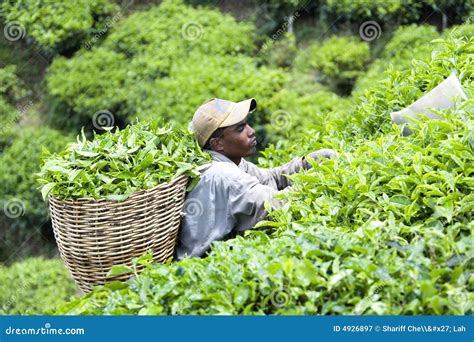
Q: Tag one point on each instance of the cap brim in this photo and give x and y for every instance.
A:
(239, 112)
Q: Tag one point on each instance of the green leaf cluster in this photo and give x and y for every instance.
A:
(34, 286)
(18, 164)
(385, 228)
(337, 62)
(136, 68)
(57, 26)
(118, 163)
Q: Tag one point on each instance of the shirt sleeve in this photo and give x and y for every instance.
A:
(226, 200)
(247, 199)
(274, 175)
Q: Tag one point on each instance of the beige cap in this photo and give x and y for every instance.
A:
(217, 113)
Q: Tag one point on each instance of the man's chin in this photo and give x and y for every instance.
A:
(252, 151)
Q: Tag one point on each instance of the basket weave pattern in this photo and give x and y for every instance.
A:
(93, 235)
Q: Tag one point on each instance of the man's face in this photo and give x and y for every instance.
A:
(238, 141)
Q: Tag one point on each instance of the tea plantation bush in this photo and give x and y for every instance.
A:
(293, 113)
(18, 164)
(408, 43)
(280, 52)
(401, 88)
(142, 54)
(8, 113)
(385, 228)
(397, 11)
(336, 62)
(33, 286)
(56, 26)
(177, 96)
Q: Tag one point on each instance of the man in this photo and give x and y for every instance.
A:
(230, 195)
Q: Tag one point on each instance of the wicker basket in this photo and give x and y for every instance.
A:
(93, 235)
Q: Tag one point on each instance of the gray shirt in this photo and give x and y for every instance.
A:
(229, 199)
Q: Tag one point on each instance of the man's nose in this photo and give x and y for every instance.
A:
(251, 130)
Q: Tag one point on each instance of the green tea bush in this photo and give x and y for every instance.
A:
(57, 26)
(86, 84)
(18, 165)
(337, 62)
(408, 43)
(396, 11)
(174, 30)
(115, 164)
(8, 115)
(142, 54)
(401, 88)
(200, 78)
(465, 30)
(385, 228)
(293, 114)
(375, 10)
(33, 286)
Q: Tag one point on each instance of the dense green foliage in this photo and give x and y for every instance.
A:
(56, 26)
(408, 43)
(116, 164)
(141, 61)
(10, 93)
(397, 11)
(18, 165)
(33, 286)
(403, 87)
(337, 61)
(386, 228)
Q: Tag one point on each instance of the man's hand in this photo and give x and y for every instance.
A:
(318, 156)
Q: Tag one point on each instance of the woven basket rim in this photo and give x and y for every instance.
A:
(83, 200)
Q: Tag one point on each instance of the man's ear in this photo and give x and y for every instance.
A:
(216, 144)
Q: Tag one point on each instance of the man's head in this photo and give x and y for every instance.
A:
(222, 126)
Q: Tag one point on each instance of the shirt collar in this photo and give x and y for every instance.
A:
(216, 156)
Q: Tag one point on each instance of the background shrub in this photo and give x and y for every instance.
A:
(407, 43)
(33, 286)
(19, 163)
(401, 88)
(58, 27)
(136, 60)
(337, 62)
(10, 95)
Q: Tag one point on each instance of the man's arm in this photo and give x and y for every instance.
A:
(274, 175)
(247, 201)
